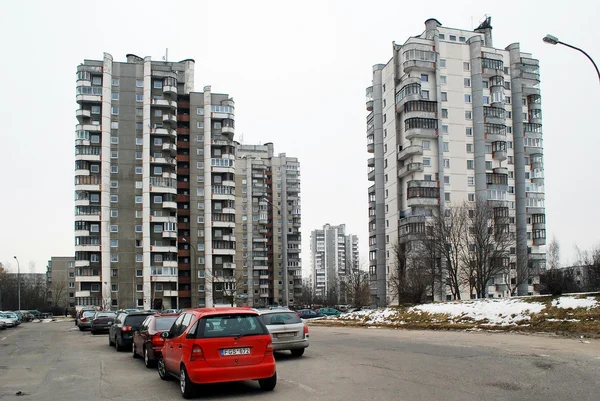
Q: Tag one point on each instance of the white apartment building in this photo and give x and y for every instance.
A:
(452, 119)
(332, 252)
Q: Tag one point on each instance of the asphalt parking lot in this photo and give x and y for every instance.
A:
(55, 361)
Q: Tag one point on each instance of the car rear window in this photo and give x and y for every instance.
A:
(105, 314)
(134, 320)
(88, 313)
(165, 323)
(230, 325)
(280, 318)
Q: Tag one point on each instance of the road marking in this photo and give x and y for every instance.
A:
(304, 387)
(3, 338)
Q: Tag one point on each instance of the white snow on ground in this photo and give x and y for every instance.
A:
(572, 302)
(497, 311)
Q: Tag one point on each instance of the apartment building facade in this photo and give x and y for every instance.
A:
(454, 119)
(333, 251)
(60, 281)
(154, 185)
(268, 222)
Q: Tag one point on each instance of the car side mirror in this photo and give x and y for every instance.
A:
(164, 334)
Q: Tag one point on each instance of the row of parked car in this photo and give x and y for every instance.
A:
(206, 345)
(10, 319)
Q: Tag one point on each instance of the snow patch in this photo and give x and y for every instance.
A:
(572, 302)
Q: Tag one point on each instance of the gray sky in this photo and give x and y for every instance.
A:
(298, 73)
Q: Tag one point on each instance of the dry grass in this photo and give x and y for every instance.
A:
(566, 322)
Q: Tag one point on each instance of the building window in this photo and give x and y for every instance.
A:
(466, 66)
(139, 155)
(444, 129)
(114, 154)
(453, 37)
(115, 82)
(114, 213)
(442, 36)
(469, 148)
(139, 83)
(444, 113)
(114, 111)
(139, 97)
(114, 228)
(114, 169)
(467, 82)
(467, 98)
(471, 181)
(446, 163)
(138, 170)
(426, 145)
(114, 198)
(488, 165)
(115, 96)
(446, 146)
(471, 197)
(461, 39)
(200, 111)
(424, 78)
(114, 184)
(469, 131)
(158, 199)
(138, 199)
(470, 164)
(138, 228)
(447, 179)
(114, 140)
(158, 113)
(139, 112)
(443, 63)
(445, 98)
(425, 94)
(114, 243)
(447, 196)
(468, 115)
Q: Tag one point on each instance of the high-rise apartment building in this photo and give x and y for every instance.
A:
(332, 253)
(454, 119)
(60, 281)
(154, 185)
(268, 227)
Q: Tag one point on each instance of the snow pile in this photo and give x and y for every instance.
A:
(572, 302)
(368, 316)
(501, 312)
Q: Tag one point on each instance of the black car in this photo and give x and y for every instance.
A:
(102, 321)
(125, 324)
(308, 314)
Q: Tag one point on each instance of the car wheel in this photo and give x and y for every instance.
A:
(162, 369)
(185, 385)
(268, 384)
(147, 360)
(117, 346)
(81, 328)
(133, 351)
(298, 352)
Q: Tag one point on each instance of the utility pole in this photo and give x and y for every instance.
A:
(18, 281)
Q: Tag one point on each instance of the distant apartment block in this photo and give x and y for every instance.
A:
(60, 281)
(452, 119)
(333, 251)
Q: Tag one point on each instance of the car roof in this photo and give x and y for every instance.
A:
(246, 310)
(167, 314)
(144, 313)
(268, 311)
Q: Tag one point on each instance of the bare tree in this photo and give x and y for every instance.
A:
(58, 292)
(489, 242)
(106, 297)
(355, 285)
(408, 280)
(426, 257)
(589, 262)
(553, 254)
(232, 286)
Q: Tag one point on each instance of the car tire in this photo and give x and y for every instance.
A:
(81, 328)
(185, 385)
(297, 352)
(117, 346)
(147, 362)
(268, 384)
(162, 369)
(134, 351)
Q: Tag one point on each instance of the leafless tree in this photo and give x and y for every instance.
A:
(553, 254)
(355, 285)
(232, 286)
(59, 288)
(408, 279)
(589, 262)
(426, 257)
(489, 241)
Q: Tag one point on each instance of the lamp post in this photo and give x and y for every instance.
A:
(284, 256)
(553, 40)
(18, 281)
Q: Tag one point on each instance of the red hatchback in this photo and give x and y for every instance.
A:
(215, 345)
(147, 341)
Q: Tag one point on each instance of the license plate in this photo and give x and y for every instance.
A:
(235, 351)
(284, 335)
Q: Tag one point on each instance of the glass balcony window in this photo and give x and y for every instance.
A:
(495, 112)
(89, 90)
(423, 123)
(492, 64)
(420, 55)
(410, 89)
(495, 129)
(420, 106)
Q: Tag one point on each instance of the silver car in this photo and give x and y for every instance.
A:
(8, 320)
(287, 330)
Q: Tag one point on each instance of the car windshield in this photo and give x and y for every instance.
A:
(134, 320)
(105, 314)
(280, 318)
(165, 323)
(230, 326)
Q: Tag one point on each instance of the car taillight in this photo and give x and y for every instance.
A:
(157, 339)
(126, 328)
(197, 353)
(305, 330)
(269, 349)
(84, 319)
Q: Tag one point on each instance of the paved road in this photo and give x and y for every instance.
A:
(54, 361)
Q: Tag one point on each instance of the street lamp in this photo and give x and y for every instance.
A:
(285, 251)
(553, 40)
(18, 281)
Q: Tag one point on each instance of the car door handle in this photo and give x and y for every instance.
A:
(181, 346)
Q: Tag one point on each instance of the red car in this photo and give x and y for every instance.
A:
(147, 341)
(215, 345)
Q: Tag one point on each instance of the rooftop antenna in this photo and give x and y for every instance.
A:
(166, 56)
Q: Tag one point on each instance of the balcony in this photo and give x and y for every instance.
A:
(170, 89)
(422, 193)
(223, 251)
(169, 161)
(82, 263)
(169, 147)
(533, 146)
(183, 185)
(371, 162)
(170, 119)
(163, 103)
(410, 91)
(420, 128)
(369, 95)
(163, 185)
(88, 279)
(89, 94)
(371, 174)
(87, 248)
(183, 144)
(491, 67)
(160, 131)
(494, 115)
(410, 168)
(417, 58)
(169, 205)
(82, 114)
(537, 162)
(169, 174)
(183, 117)
(81, 294)
(87, 183)
(494, 132)
(227, 130)
(532, 130)
(229, 266)
(173, 293)
(164, 249)
(169, 234)
(409, 151)
(88, 153)
(529, 71)
(499, 151)
(82, 233)
(420, 109)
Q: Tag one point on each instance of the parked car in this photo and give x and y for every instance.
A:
(14, 316)
(170, 311)
(125, 324)
(287, 330)
(84, 321)
(2, 325)
(308, 314)
(79, 313)
(329, 311)
(9, 321)
(102, 321)
(215, 346)
(147, 341)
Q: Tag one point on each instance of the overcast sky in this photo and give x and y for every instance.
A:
(297, 72)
